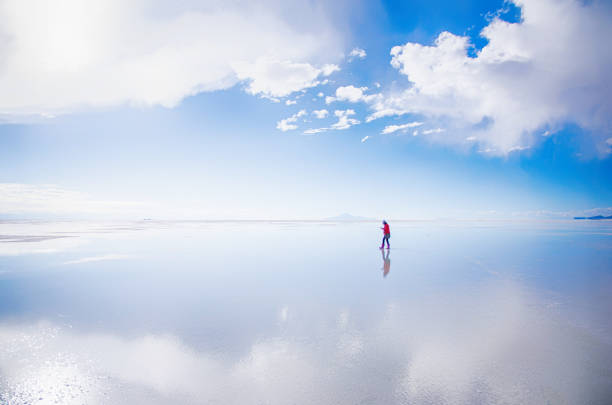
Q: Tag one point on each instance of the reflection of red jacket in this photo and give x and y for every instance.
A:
(386, 230)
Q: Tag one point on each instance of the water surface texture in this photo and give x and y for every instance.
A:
(306, 313)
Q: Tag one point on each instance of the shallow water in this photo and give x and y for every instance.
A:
(306, 313)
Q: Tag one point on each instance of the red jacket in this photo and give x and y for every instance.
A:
(386, 230)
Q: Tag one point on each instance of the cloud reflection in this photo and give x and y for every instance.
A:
(90, 259)
(491, 344)
(19, 245)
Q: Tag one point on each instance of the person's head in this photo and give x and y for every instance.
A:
(384, 222)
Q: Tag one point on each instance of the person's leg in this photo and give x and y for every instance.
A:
(387, 238)
(382, 244)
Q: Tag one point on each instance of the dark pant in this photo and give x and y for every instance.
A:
(385, 238)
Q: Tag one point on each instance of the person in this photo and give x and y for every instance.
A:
(386, 235)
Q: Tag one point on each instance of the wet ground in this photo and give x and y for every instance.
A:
(455, 312)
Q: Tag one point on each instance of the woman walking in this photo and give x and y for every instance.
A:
(386, 235)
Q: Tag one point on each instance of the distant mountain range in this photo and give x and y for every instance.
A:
(595, 217)
(348, 217)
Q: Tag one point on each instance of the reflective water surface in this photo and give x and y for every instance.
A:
(306, 313)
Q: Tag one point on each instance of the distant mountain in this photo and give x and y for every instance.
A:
(595, 217)
(348, 217)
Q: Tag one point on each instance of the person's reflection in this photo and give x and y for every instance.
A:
(386, 263)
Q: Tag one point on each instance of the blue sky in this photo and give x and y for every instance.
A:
(424, 109)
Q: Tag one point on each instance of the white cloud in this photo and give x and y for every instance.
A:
(384, 112)
(552, 67)
(290, 102)
(518, 148)
(344, 120)
(389, 129)
(433, 131)
(328, 69)
(320, 94)
(283, 125)
(316, 130)
(16, 198)
(357, 53)
(351, 94)
(320, 113)
(365, 138)
(272, 78)
(61, 57)
(287, 124)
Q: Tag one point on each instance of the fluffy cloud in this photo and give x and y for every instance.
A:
(550, 68)
(287, 124)
(320, 113)
(389, 129)
(357, 53)
(61, 57)
(344, 119)
(351, 94)
(328, 69)
(344, 122)
(278, 79)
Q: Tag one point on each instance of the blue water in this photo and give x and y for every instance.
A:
(306, 313)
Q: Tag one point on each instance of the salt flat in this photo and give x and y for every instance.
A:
(277, 312)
